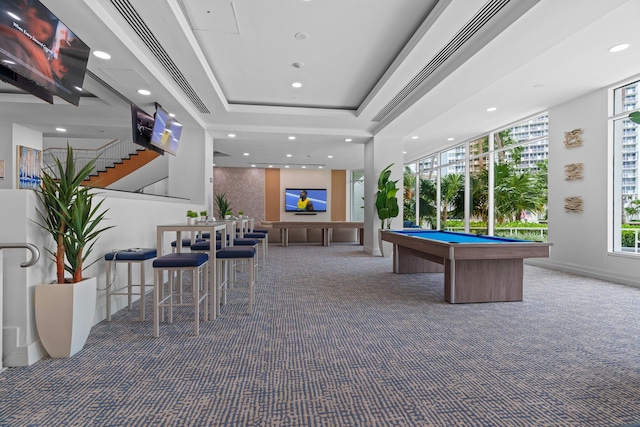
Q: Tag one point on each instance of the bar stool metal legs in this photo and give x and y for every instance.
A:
(177, 263)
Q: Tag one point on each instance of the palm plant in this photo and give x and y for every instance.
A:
(223, 205)
(69, 215)
(451, 195)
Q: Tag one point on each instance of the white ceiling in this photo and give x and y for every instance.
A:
(232, 69)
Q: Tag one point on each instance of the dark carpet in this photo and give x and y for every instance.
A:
(337, 339)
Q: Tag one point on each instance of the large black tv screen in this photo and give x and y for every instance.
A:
(35, 44)
(315, 200)
(166, 132)
(142, 128)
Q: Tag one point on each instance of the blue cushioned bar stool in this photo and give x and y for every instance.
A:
(130, 257)
(197, 264)
(204, 247)
(186, 243)
(264, 238)
(226, 258)
(245, 242)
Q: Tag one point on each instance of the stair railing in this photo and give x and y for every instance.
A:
(35, 256)
(107, 155)
(35, 252)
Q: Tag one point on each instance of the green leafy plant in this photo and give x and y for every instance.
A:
(386, 200)
(70, 216)
(204, 213)
(635, 116)
(223, 205)
(192, 214)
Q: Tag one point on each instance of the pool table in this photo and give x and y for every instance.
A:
(476, 268)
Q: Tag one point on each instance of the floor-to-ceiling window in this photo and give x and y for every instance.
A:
(495, 184)
(626, 201)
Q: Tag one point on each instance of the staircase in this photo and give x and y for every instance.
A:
(115, 160)
(120, 169)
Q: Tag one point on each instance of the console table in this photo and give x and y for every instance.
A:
(325, 226)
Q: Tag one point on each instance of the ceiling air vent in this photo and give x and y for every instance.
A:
(136, 23)
(489, 10)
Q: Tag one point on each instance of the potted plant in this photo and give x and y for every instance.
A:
(223, 205)
(191, 216)
(386, 202)
(65, 310)
(204, 215)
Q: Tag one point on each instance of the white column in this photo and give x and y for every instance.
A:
(379, 152)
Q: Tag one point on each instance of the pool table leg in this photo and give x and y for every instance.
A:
(485, 280)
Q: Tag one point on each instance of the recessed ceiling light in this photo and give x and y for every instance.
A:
(304, 167)
(450, 139)
(102, 55)
(232, 135)
(348, 140)
(319, 167)
(404, 152)
(270, 166)
(414, 137)
(286, 166)
(288, 155)
(619, 47)
(245, 154)
(490, 109)
(144, 92)
(296, 84)
(253, 166)
(330, 157)
(292, 137)
(61, 129)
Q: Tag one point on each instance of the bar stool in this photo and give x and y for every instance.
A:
(264, 238)
(197, 264)
(186, 243)
(226, 258)
(130, 257)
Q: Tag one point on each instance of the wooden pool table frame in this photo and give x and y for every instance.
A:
(473, 272)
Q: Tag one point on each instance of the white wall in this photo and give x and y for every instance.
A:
(580, 239)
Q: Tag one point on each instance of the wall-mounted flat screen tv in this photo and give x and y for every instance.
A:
(305, 200)
(142, 128)
(166, 132)
(36, 45)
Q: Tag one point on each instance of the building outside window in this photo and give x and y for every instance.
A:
(625, 225)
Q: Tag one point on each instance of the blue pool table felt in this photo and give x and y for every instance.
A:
(456, 237)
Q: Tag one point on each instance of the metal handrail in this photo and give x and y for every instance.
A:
(35, 253)
(106, 156)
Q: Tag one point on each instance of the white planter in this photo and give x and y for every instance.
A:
(64, 315)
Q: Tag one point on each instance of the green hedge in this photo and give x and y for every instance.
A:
(628, 237)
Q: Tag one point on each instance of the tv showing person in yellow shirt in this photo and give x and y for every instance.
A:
(304, 204)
